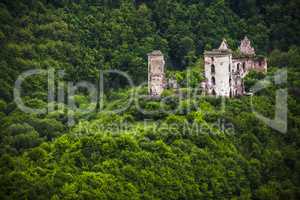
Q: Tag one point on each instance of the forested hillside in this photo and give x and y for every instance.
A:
(42, 157)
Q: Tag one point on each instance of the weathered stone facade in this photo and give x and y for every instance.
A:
(224, 71)
(156, 74)
(247, 59)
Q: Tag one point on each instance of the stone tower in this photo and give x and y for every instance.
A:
(218, 71)
(156, 74)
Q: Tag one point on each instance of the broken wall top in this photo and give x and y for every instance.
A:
(246, 48)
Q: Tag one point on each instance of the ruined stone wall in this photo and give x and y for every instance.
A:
(227, 77)
(260, 65)
(248, 64)
(237, 85)
(243, 65)
(245, 47)
(156, 75)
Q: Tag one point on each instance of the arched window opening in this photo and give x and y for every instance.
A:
(213, 80)
(213, 69)
(212, 59)
(238, 67)
(214, 92)
(244, 66)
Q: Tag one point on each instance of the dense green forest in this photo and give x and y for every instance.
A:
(158, 155)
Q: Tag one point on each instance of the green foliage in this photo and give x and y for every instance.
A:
(285, 59)
(175, 147)
(252, 78)
(2, 106)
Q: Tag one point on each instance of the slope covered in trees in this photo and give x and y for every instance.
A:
(41, 157)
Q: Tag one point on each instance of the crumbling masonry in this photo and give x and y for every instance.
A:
(156, 74)
(224, 70)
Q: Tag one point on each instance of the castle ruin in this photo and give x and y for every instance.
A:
(225, 70)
